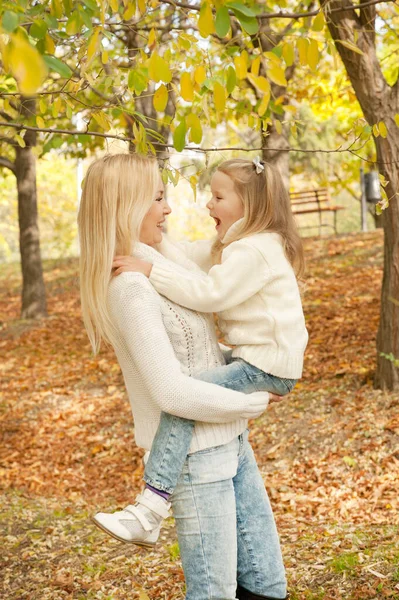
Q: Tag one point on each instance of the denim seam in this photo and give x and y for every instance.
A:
(258, 582)
(200, 530)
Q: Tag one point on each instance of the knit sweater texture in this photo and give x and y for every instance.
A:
(161, 347)
(255, 293)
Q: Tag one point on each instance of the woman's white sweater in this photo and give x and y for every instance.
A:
(255, 293)
(161, 347)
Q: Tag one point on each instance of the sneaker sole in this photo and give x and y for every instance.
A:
(148, 545)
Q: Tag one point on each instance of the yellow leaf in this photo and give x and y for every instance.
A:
(102, 120)
(114, 4)
(25, 63)
(302, 46)
(241, 65)
(200, 75)
(194, 123)
(318, 22)
(129, 12)
(278, 126)
(160, 99)
(206, 24)
(313, 54)
(142, 6)
(376, 130)
(40, 122)
(104, 57)
(219, 96)
(193, 183)
(20, 140)
(382, 129)
(42, 106)
(260, 82)
(56, 8)
(279, 100)
(49, 44)
(276, 74)
(396, 118)
(255, 66)
(262, 108)
(93, 44)
(56, 106)
(288, 54)
(159, 69)
(350, 46)
(186, 87)
(152, 39)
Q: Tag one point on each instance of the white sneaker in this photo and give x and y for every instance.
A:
(138, 524)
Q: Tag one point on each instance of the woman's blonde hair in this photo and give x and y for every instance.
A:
(267, 207)
(118, 191)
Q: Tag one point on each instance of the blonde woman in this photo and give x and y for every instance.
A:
(228, 539)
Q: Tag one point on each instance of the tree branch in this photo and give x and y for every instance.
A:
(7, 164)
(285, 15)
(338, 150)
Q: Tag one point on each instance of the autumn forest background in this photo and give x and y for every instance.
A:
(311, 87)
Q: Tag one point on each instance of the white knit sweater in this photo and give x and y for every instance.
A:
(159, 346)
(255, 293)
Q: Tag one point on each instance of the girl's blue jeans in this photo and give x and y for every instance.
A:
(173, 438)
(225, 525)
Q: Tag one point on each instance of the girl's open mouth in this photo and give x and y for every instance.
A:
(217, 221)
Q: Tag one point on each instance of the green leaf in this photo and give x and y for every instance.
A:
(179, 136)
(55, 64)
(9, 21)
(137, 81)
(222, 23)
(231, 79)
(241, 8)
(249, 24)
(90, 4)
(38, 29)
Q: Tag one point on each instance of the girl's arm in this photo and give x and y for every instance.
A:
(136, 311)
(242, 274)
(198, 251)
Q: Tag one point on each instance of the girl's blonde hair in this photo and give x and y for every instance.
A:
(118, 191)
(267, 207)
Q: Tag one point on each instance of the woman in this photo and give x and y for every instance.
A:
(228, 540)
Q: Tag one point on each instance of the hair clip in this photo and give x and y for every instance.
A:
(259, 166)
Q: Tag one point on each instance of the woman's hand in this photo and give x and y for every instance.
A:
(131, 263)
(274, 398)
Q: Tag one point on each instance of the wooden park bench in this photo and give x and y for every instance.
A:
(316, 201)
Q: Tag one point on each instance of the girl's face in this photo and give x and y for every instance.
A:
(225, 206)
(152, 225)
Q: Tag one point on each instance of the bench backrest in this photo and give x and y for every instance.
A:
(320, 195)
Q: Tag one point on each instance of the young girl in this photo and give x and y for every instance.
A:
(248, 279)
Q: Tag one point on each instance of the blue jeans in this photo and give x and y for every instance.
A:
(173, 438)
(225, 525)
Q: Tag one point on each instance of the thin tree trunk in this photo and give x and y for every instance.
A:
(33, 290)
(387, 375)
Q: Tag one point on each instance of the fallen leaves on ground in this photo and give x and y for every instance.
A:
(329, 453)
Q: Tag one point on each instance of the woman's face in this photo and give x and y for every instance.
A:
(152, 226)
(225, 206)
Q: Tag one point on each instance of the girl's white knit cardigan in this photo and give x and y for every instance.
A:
(160, 347)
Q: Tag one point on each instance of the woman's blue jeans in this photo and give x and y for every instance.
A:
(225, 525)
(173, 438)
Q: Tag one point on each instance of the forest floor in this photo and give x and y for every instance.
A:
(329, 453)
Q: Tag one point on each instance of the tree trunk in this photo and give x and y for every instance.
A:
(379, 102)
(387, 375)
(33, 290)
